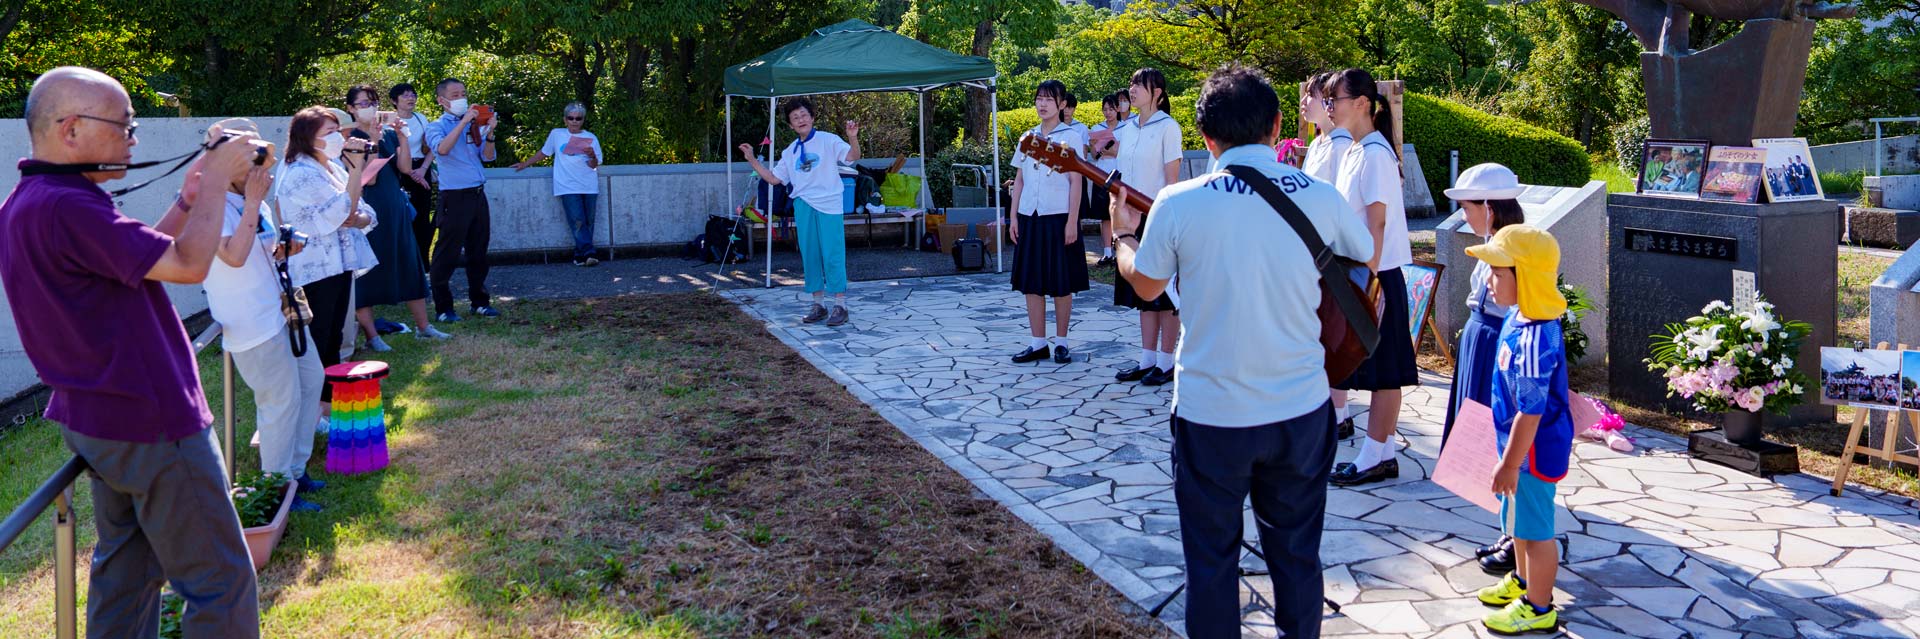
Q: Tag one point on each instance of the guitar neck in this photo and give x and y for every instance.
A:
(1102, 178)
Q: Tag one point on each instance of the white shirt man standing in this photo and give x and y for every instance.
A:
(1251, 397)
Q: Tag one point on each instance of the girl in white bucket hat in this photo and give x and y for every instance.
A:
(1487, 195)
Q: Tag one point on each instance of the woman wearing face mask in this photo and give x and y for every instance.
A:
(322, 199)
(400, 277)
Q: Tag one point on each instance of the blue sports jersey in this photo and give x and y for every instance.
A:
(1531, 379)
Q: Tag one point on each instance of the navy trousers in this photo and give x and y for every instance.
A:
(1283, 466)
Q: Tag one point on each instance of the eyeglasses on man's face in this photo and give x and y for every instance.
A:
(130, 126)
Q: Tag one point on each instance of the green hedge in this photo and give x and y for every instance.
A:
(1538, 156)
(1434, 126)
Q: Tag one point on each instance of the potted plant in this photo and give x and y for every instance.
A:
(262, 501)
(1738, 364)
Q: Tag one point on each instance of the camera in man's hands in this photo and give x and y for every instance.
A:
(262, 149)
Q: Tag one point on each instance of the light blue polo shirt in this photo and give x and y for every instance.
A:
(462, 168)
(1250, 352)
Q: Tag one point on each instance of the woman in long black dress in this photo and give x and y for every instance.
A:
(400, 277)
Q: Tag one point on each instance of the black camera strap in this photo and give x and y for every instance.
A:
(103, 167)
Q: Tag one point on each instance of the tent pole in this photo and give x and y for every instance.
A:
(993, 104)
(768, 273)
(926, 169)
(733, 209)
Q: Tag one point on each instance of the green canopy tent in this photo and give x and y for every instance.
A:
(856, 57)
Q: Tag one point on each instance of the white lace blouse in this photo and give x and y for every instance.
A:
(313, 198)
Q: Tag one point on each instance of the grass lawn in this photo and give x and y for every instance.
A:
(653, 466)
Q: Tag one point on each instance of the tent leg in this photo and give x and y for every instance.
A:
(993, 104)
(926, 169)
(768, 273)
(733, 208)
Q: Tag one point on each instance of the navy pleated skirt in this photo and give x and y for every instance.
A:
(1044, 263)
(1473, 371)
(1391, 365)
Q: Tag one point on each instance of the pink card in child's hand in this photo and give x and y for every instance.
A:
(1470, 457)
(577, 145)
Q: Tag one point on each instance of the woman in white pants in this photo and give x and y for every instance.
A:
(243, 294)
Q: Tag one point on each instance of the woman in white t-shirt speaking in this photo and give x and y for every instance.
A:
(1371, 181)
(811, 167)
(576, 177)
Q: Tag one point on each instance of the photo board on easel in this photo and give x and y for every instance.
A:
(1888, 450)
(1423, 278)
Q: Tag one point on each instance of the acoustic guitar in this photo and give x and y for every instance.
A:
(1341, 334)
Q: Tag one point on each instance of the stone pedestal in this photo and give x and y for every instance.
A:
(1668, 258)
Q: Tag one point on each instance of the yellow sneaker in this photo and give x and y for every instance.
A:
(1518, 618)
(1503, 593)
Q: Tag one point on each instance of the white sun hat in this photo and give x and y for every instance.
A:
(1485, 182)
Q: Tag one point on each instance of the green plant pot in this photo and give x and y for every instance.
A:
(1744, 427)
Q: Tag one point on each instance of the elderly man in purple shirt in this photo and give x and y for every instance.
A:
(84, 283)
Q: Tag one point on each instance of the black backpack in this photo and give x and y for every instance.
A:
(724, 241)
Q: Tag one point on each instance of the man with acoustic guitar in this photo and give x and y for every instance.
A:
(1251, 412)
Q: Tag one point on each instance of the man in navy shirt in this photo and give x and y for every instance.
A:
(465, 221)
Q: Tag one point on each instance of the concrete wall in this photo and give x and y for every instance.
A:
(640, 205)
(1897, 155)
(1577, 217)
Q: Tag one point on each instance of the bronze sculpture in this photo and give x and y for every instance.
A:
(1731, 93)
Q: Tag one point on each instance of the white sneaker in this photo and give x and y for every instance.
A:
(430, 333)
(379, 345)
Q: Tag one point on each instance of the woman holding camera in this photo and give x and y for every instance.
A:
(322, 199)
(243, 294)
(400, 276)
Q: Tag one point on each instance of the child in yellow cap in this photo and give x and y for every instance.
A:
(1534, 426)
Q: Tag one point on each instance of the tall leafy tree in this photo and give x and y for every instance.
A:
(37, 35)
(1862, 69)
(240, 57)
(1286, 39)
(1582, 74)
(972, 27)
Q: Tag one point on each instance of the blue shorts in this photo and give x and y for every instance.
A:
(1528, 512)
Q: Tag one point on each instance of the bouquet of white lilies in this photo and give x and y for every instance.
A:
(1725, 360)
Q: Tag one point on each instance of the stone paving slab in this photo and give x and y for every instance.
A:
(1658, 545)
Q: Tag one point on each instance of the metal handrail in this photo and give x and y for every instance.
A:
(57, 491)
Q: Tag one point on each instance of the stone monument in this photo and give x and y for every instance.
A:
(1668, 258)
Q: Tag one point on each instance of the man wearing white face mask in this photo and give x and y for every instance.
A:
(463, 145)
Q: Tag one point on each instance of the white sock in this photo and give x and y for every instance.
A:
(1061, 340)
(820, 300)
(1148, 359)
(1372, 453)
(1164, 361)
(837, 302)
(1036, 342)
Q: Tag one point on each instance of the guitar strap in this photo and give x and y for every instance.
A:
(1333, 268)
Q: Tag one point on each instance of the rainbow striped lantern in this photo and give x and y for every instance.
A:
(357, 434)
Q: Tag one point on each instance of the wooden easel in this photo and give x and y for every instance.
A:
(1886, 450)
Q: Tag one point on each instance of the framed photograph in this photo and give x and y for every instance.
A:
(1673, 168)
(1422, 278)
(1789, 174)
(1733, 174)
(1910, 380)
(1867, 378)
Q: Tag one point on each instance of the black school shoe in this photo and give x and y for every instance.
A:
(1346, 474)
(1159, 377)
(1061, 355)
(1344, 430)
(1031, 355)
(1134, 374)
(1498, 544)
(1500, 562)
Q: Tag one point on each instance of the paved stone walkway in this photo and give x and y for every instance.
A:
(1660, 546)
